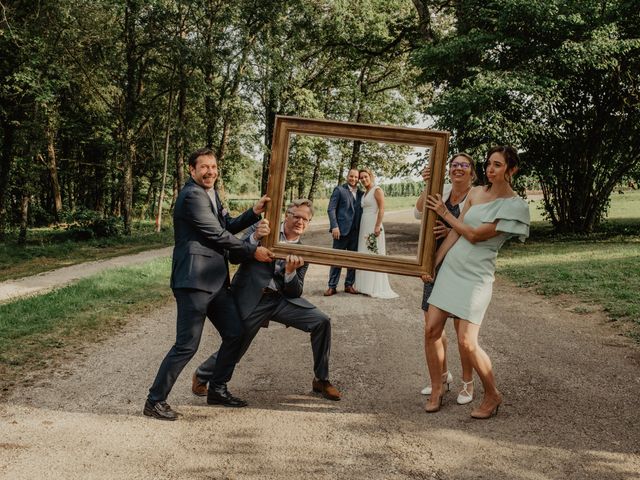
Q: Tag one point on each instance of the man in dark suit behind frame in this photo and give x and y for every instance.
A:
(273, 291)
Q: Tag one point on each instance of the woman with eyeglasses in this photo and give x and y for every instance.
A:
(371, 238)
(462, 174)
(463, 285)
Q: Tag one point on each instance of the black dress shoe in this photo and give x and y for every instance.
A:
(219, 395)
(159, 410)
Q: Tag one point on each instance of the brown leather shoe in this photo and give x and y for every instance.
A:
(197, 387)
(328, 391)
(351, 290)
(330, 291)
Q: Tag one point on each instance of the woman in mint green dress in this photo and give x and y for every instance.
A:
(492, 214)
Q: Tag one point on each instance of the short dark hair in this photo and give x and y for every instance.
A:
(201, 152)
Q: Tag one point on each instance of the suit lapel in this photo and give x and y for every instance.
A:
(350, 197)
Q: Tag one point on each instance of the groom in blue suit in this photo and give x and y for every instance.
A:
(344, 212)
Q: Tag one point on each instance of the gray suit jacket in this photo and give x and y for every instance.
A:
(203, 238)
(253, 276)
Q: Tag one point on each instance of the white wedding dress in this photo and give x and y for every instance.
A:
(375, 284)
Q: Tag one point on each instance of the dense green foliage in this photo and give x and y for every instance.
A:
(101, 102)
(560, 79)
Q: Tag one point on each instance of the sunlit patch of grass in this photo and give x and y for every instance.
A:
(50, 248)
(605, 272)
(37, 329)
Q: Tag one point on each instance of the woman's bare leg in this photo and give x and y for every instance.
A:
(434, 349)
(465, 361)
(445, 344)
(468, 342)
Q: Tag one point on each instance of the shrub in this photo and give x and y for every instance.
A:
(89, 224)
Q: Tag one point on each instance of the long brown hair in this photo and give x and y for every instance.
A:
(510, 156)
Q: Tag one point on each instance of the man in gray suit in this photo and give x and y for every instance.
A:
(344, 212)
(274, 292)
(203, 232)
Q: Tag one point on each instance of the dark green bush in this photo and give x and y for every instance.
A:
(89, 224)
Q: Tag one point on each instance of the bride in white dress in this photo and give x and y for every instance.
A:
(375, 284)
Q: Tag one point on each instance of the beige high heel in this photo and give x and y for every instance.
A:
(483, 414)
(429, 408)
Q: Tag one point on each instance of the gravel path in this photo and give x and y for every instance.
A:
(571, 386)
(44, 282)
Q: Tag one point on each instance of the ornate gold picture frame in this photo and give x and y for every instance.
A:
(436, 142)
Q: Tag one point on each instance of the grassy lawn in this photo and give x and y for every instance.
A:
(49, 248)
(602, 270)
(37, 331)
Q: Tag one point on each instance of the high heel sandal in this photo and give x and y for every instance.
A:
(434, 408)
(446, 379)
(481, 414)
(465, 396)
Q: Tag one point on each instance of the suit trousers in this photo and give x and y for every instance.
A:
(193, 307)
(345, 242)
(276, 308)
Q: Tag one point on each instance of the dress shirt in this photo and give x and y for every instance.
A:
(212, 195)
(280, 263)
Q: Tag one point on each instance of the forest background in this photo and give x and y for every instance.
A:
(102, 101)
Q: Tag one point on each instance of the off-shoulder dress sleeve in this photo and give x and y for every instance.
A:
(513, 217)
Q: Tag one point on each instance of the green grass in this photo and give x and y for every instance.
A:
(601, 270)
(51, 248)
(606, 273)
(37, 330)
(624, 205)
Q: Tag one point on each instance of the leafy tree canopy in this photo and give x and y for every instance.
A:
(559, 79)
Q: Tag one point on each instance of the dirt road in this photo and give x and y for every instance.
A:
(571, 388)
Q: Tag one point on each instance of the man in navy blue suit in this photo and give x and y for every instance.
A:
(344, 224)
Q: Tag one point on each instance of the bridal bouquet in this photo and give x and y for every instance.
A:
(372, 242)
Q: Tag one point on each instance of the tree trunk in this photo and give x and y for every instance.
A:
(355, 154)
(180, 133)
(165, 155)
(24, 218)
(127, 186)
(52, 166)
(270, 116)
(130, 112)
(424, 17)
(6, 162)
(315, 177)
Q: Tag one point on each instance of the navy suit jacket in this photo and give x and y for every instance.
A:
(344, 211)
(253, 276)
(203, 238)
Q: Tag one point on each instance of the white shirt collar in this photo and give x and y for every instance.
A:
(284, 237)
